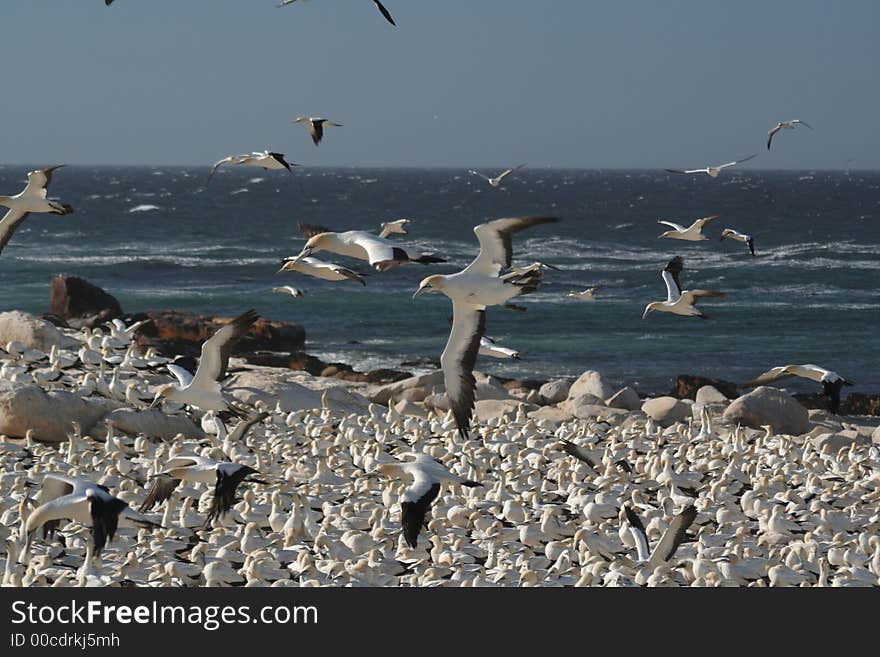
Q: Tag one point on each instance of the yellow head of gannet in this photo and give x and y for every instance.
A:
(433, 282)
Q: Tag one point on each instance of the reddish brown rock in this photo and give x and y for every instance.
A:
(75, 300)
(686, 386)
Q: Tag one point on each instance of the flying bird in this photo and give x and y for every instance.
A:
(31, 199)
(731, 234)
(832, 382)
(713, 172)
(391, 227)
(665, 549)
(203, 390)
(316, 126)
(678, 301)
(287, 289)
(379, 6)
(316, 268)
(471, 290)
(586, 295)
(788, 125)
(427, 475)
(380, 252)
(693, 233)
(488, 347)
(496, 181)
(265, 159)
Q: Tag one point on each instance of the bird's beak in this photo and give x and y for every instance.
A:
(419, 291)
(306, 252)
(284, 266)
(645, 314)
(156, 401)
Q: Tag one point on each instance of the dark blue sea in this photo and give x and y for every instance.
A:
(158, 238)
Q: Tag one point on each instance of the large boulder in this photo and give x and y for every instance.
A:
(153, 423)
(589, 406)
(79, 302)
(32, 332)
(552, 414)
(666, 411)
(49, 414)
(590, 383)
(840, 440)
(555, 391)
(710, 395)
(381, 394)
(626, 398)
(875, 437)
(771, 406)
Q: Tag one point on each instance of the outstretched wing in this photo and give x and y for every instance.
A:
(234, 159)
(771, 133)
(457, 361)
(496, 246)
(163, 486)
(700, 223)
(385, 12)
(183, 375)
(671, 278)
(692, 296)
(769, 376)
(241, 429)
(10, 222)
(39, 181)
(672, 537)
(217, 349)
(672, 225)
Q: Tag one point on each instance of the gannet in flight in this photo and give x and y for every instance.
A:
(730, 233)
(31, 199)
(73, 498)
(478, 285)
(488, 347)
(831, 382)
(496, 181)
(380, 252)
(287, 289)
(265, 159)
(316, 268)
(203, 390)
(427, 475)
(586, 295)
(693, 233)
(391, 227)
(316, 126)
(788, 125)
(713, 172)
(378, 4)
(666, 547)
(678, 301)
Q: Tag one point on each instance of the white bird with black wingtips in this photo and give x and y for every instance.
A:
(316, 126)
(713, 172)
(471, 290)
(382, 10)
(585, 295)
(326, 271)
(33, 198)
(693, 233)
(678, 301)
(731, 234)
(669, 542)
(831, 381)
(264, 159)
(784, 125)
(496, 181)
(289, 290)
(488, 347)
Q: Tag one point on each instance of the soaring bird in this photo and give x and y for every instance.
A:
(471, 290)
(380, 252)
(678, 301)
(488, 347)
(73, 498)
(289, 290)
(713, 172)
(788, 125)
(693, 233)
(427, 475)
(319, 269)
(203, 390)
(379, 6)
(265, 159)
(316, 126)
(397, 226)
(496, 181)
(731, 234)
(831, 382)
(31, 199)
(585, 295)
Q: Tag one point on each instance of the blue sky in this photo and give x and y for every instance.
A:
(568, 83)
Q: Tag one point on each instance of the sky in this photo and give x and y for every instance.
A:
(551, 83)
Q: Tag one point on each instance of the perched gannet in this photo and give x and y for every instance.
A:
(203, 390)
(31, 199)
(586, 295)
(378, 251)
(713, 172)
(666, 547)
(316, 126)
(488, 347)
(391, 227)
(831, 382)
(496, 181)
(788, 125)
(730, 233)
(693, 233)
(316, 268)
(478, 285)
(71, 498)
(678, 301)
(378, 4)
(427, 475)
(287, 289)
(265, 159)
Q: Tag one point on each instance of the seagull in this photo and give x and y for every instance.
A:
(265, 159)
(586, 295)
(831, 382)
(693, 233)
(378, 4)
(398, 226)
(287, 289)
(31, 199)
(378, 251)
(319, 269)
(479, 285)
(678, 301)
(666, 547)
(713, 172)
(730, 233)
(488, 347)
(788, 125)
(316, 126)
(427, 475)
(203, 390)
(73, 498)
(496, 181)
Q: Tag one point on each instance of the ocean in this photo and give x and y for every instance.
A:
(158, 238)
